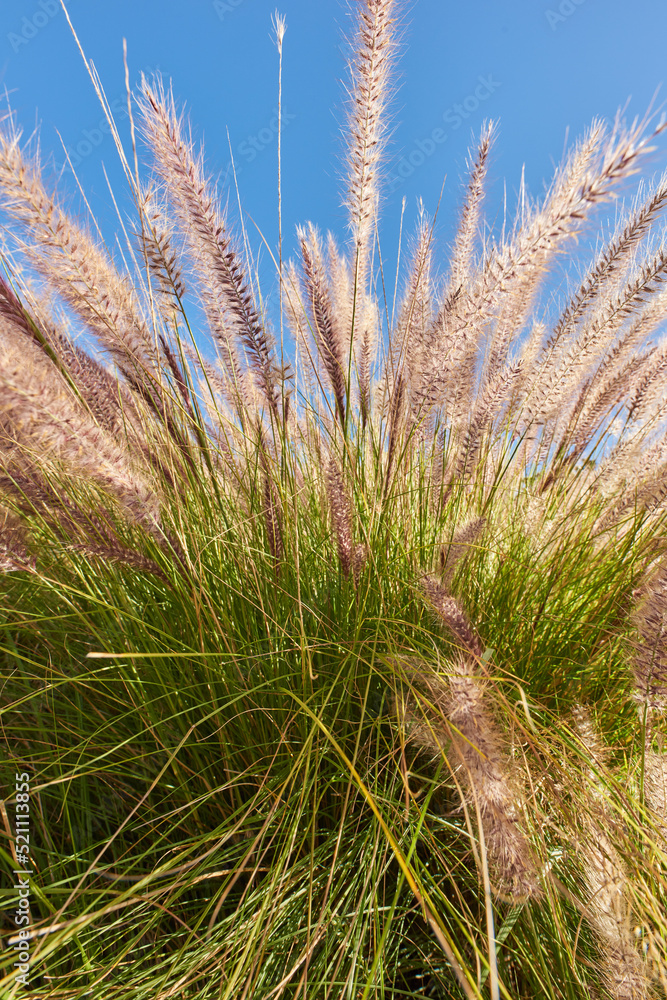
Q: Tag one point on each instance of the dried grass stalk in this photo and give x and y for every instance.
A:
(273, 520)
(340, 506)
(623, 970)
(406, 357)
(610, 260)
(228, 299)
(467, 234)
(162, 256)
(452, 616)
(299, 324)
(459, 546)
(457, 713)
(650, 653)
(116, 553)
(561, 373)
(495, 394)
(359, 560)
(324, 322)
(108, 399)
(40, 416)
(75, 526)
(655, 787)
(14, 554)
(374, 45)
(74, 265)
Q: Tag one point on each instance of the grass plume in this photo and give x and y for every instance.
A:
(292, 640)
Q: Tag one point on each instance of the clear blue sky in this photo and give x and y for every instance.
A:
(540, 67)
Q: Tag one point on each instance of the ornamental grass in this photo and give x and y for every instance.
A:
(333, 614)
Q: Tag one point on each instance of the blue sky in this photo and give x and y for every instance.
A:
(541, 68)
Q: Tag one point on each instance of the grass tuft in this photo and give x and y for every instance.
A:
(339, 670)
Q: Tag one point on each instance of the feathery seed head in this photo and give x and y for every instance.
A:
(359, 560)
(452, 553)
(279, 26)
(466, 415)
(650, 659)
(370, 69)
(655, 786)
(227, 297)
(462, 259)
(273, 520)
(457, 714)
(341, 513)
(324, 321)
(40, 415)
(451, 615)
(623, 970)
(72, 263)
(14, 556)
(161, 257)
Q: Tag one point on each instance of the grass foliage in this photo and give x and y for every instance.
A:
(337, 663)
